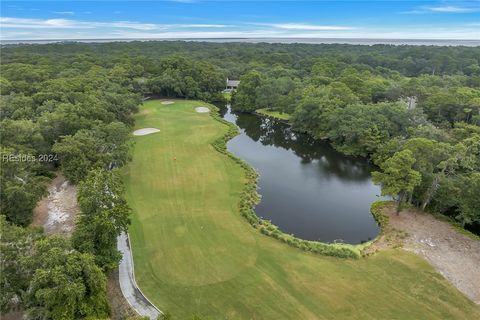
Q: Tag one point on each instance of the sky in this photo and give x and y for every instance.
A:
(38, 20)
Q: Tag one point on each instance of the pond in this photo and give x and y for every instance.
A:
(308, 189)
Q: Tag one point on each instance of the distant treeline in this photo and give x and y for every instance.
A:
(237, 58)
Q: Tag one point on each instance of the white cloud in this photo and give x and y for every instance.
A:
(453, 9)
(126, 24)
(70, 13)
(445, 9)
(302, 26)
(23, 23)
(200, 25)
(26, 28)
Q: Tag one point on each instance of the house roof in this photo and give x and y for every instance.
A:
(233, 83)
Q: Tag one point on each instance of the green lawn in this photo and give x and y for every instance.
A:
(274, 114)
(194, 253)
(227, 96)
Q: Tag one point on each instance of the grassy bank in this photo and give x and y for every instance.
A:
(274, 114)
(195, 254)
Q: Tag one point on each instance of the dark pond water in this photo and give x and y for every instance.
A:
(308, 189)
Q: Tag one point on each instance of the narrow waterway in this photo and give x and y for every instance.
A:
(308, 189)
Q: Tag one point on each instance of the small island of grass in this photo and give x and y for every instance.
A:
(274, 114)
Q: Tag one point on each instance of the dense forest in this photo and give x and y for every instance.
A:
(413, 110)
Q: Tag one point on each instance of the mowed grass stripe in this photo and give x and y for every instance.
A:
(195, 254)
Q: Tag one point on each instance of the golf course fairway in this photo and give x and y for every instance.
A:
(195, 255)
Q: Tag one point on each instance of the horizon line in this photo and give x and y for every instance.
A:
(233, 38)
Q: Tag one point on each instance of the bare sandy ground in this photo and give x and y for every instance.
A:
(167, 102)
(202, 109)
(455, 255)
(57, 211)
(145, 131)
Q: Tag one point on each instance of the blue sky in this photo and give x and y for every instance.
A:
(227, 19)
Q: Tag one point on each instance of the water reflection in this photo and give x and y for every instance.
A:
(307, 187)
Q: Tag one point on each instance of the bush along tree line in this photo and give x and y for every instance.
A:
(414, 110)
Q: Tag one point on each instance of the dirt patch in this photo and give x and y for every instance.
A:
(119, 307)
(57, 211)
(145, 131)
(12, 315)
(202, 109)
(455, 255)
(167, 102)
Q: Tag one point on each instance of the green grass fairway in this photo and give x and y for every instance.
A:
(195, 255)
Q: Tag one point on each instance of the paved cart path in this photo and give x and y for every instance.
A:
(129, 286)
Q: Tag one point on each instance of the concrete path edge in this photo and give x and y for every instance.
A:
(126, 276)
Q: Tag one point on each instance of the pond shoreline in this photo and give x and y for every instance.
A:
(250, 198)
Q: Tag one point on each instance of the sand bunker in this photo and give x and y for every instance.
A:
(145, 131)
(167, 102)
(202, 109)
